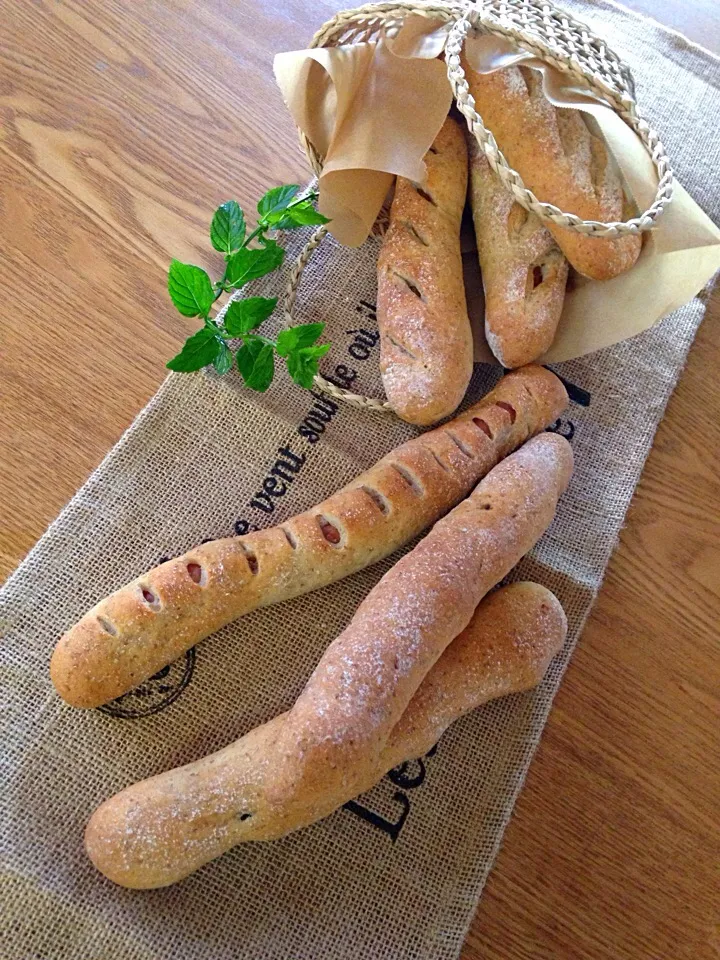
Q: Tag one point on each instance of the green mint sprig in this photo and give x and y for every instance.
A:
(194, 294)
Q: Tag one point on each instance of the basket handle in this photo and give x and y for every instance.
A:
(512, 179)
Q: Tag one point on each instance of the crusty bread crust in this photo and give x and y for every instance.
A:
(426, 349)
(524, 272)
(367, 677)
(147, 624)
(561, 161)
(158, 831)
(506, 648)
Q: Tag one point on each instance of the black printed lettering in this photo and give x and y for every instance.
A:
(297, 459)
(242, 527)
(368, 337)
(315, 423)
(282, 473)
(325, 403)
(358, 351)
(323, 415)
(380, 823)
(281, 469)
(402, 777)
(275, 487)
(285, 469)
(576, 394)
(262, 502)
(310, 435)
(363, 343)
(566, 428)
(342, 376)
(367, 311)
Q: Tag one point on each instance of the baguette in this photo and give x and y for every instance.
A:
(147, 624)
(365, 680)
(524, 272)
(561, 160)
(426, 348)
(158, 831)
(506, 648)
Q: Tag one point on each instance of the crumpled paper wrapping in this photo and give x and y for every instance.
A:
(372, 110)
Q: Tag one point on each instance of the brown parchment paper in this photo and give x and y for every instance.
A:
(374, 128)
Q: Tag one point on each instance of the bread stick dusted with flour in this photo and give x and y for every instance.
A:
(158, 831)
(150, 622)
(524, 272)
(426, 349)
(364, 682)
(506, 648)
(561, 160)
(382, 692)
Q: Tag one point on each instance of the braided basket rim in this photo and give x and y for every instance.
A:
(496, 17)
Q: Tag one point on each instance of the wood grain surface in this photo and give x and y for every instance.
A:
(121, 128)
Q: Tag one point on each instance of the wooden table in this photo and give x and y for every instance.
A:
(122, 126)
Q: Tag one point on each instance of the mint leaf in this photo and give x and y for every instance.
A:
(256, 364)
(227, 230)
(198, 351)
(249, 264)
(276, 201)
(301, 214)
(295, 338)
(193, 293)
(245, 315)
(190, 289)
(303, 364)
(224, 359)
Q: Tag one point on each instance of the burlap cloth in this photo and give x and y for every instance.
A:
(398, 874)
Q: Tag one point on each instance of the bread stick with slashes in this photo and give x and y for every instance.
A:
(147, 624)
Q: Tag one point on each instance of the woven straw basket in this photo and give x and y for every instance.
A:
(535, 26)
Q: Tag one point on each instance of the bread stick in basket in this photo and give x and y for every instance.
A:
(147, 624)
(524, 272)
(562, 160)
(426, 348)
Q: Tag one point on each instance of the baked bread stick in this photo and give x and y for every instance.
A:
(147, 624)
(338, 738)
(426, 348)
(561, 160)
(158, 831)
(524, 272)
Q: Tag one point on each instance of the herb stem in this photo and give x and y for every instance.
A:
(262, 339)
(220, 285)
(216, 329)
(262, 223)
(256, 232)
